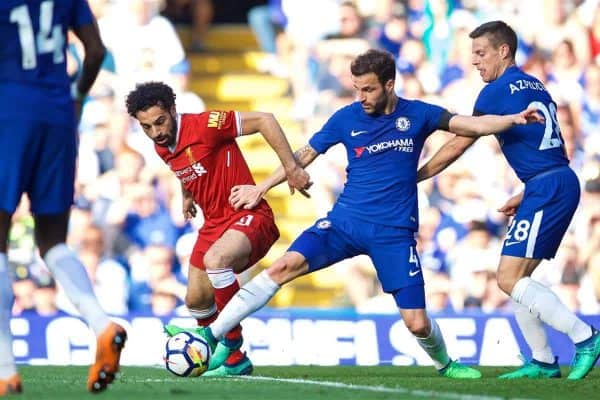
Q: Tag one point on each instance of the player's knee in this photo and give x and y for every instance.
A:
(418, 327)
(285, 269)
(216, 260)
(418, 324)
(506, 282)
(199, 300)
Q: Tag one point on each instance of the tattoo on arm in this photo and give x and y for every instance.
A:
(305, 155)
(302, 150)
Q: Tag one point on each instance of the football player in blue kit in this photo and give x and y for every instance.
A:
(541, 213)
(377, 212)
(39, 109)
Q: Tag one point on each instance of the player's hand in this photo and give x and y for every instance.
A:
(510, 207)
(189, 208)
(298, 179)
(245, 196)
(528, 116)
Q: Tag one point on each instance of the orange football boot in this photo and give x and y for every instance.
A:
(11, 385)
(108, 353)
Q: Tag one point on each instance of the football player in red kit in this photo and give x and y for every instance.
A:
(202, 152)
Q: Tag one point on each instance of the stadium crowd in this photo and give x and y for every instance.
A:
(127, 225)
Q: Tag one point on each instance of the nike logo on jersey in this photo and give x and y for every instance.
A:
(412, 273)
(356, 133)
(511, 243)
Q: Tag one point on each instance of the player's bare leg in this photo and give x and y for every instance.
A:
(200, 302)
(50, 235)
(255, 295)
(258, 292)
(514, 279)
(228, 256)
(10, 382)
(429, 337)
(199, 297)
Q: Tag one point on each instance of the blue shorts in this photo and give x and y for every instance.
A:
(37, 158)
(549, 202)
(392, 250)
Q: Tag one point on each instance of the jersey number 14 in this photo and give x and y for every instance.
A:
(551, 138)
(49, 39)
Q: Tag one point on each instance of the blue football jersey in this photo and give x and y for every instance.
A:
(33, 76)
(529, 149)
(383, 154)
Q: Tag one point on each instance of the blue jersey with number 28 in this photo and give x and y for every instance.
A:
(529, 149)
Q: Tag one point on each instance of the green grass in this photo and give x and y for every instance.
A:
(304, 383)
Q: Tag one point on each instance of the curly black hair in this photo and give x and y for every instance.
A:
(149, 94)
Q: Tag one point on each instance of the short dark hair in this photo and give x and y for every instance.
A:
(499, 33)
(380, 62)
(149, 94)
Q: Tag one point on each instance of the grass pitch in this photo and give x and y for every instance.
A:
(303, 383)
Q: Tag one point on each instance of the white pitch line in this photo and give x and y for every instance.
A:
(340, 385)
(380, 389)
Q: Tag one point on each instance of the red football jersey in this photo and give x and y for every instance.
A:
(208, 162)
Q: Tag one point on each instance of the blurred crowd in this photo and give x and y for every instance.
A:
(127, 225)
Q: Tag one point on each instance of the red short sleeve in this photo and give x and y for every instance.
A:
(221, 125)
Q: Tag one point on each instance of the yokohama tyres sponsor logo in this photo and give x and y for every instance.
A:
(396, 144)
(405, 145)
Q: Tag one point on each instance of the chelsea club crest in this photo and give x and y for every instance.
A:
(324, 224)
(402, 124)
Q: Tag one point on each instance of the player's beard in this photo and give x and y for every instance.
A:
(378, 107)
(173, 132)
(380, 104)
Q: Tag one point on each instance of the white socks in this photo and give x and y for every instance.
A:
(7, 361)
(203, 314)
(434, 346)
(72, 276)
(545, 305)
(535, 334)
(248, 299)
(221, 278)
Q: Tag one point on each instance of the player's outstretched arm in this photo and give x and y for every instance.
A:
(445, 156)
(491, 124)
(248, 196)
(267, 125)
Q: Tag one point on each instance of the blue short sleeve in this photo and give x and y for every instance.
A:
(432, 115)
(484, 102)
(328, 136)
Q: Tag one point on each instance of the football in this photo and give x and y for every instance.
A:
(187, 355)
